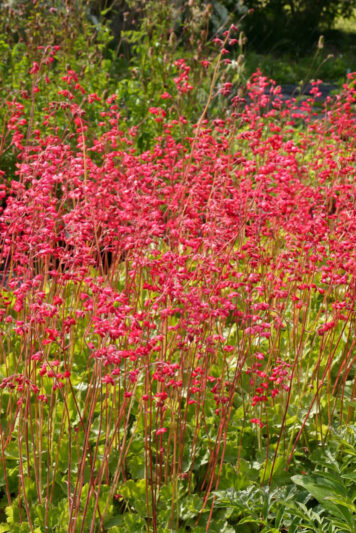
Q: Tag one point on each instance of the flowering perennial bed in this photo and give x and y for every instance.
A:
(176, 323)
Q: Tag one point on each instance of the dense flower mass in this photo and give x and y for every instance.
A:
(150, 296)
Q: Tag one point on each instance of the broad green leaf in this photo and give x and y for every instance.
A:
(322, 491)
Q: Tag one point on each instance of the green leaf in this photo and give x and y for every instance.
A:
(343, 503)
(320, 488)
(249, 520)
(278, 469)
(190, 506)
(135, 493)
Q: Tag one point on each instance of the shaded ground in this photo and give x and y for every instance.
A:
(291, 90)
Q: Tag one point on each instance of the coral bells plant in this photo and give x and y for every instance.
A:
(171, 318)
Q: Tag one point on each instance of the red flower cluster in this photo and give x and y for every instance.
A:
(167, 275)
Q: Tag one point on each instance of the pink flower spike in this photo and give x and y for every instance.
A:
(256, 421)
(160, 431)
(35, 68)
(108, 379)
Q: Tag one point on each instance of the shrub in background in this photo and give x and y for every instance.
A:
(283, 24)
